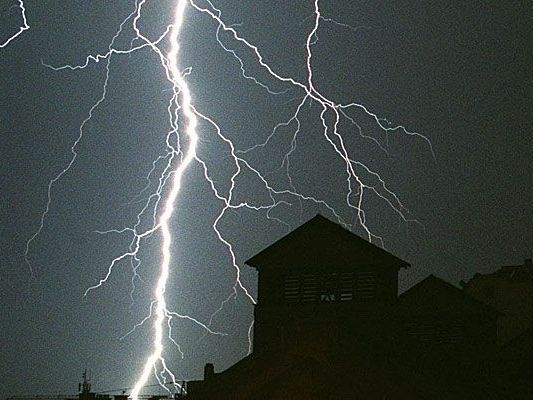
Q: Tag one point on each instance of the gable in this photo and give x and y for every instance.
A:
(433, 296)
(321, 243)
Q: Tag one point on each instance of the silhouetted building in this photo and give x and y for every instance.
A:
(329, 325)
(510, 291)
(318, 276)
(436, 313)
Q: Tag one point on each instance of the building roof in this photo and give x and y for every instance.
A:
(334, 365)
(510, 291)
(434, 296)
(321, 243)
(513, 275)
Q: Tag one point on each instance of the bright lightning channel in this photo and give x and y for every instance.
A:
(22, 28)
(181, 89)
(181, 150)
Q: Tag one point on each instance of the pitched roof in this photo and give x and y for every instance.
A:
(322, 243)
(435, 296)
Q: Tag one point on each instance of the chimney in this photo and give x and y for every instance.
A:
(209, 371)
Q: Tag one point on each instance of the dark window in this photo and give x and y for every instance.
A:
(329, 287)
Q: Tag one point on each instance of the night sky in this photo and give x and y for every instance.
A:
(457, 72)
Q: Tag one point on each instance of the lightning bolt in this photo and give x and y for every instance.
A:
(22, 28)
(181, 151)
(182, 90)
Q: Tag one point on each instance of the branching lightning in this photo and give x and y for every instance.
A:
(22, 28)
(182, 141)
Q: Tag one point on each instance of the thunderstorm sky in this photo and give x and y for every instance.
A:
(457, 73)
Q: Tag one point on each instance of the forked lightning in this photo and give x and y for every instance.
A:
(182, 141)
(22, 28)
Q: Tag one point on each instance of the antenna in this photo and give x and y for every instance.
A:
(86, 385)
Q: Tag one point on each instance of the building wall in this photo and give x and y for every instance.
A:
(303, 300)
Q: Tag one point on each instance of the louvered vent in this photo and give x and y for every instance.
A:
(309, 288)
(291, 289)
(366, 285)
(346, 286)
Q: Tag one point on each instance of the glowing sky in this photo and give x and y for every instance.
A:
(458, 74)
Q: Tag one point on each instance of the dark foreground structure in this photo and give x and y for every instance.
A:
(329, 324)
